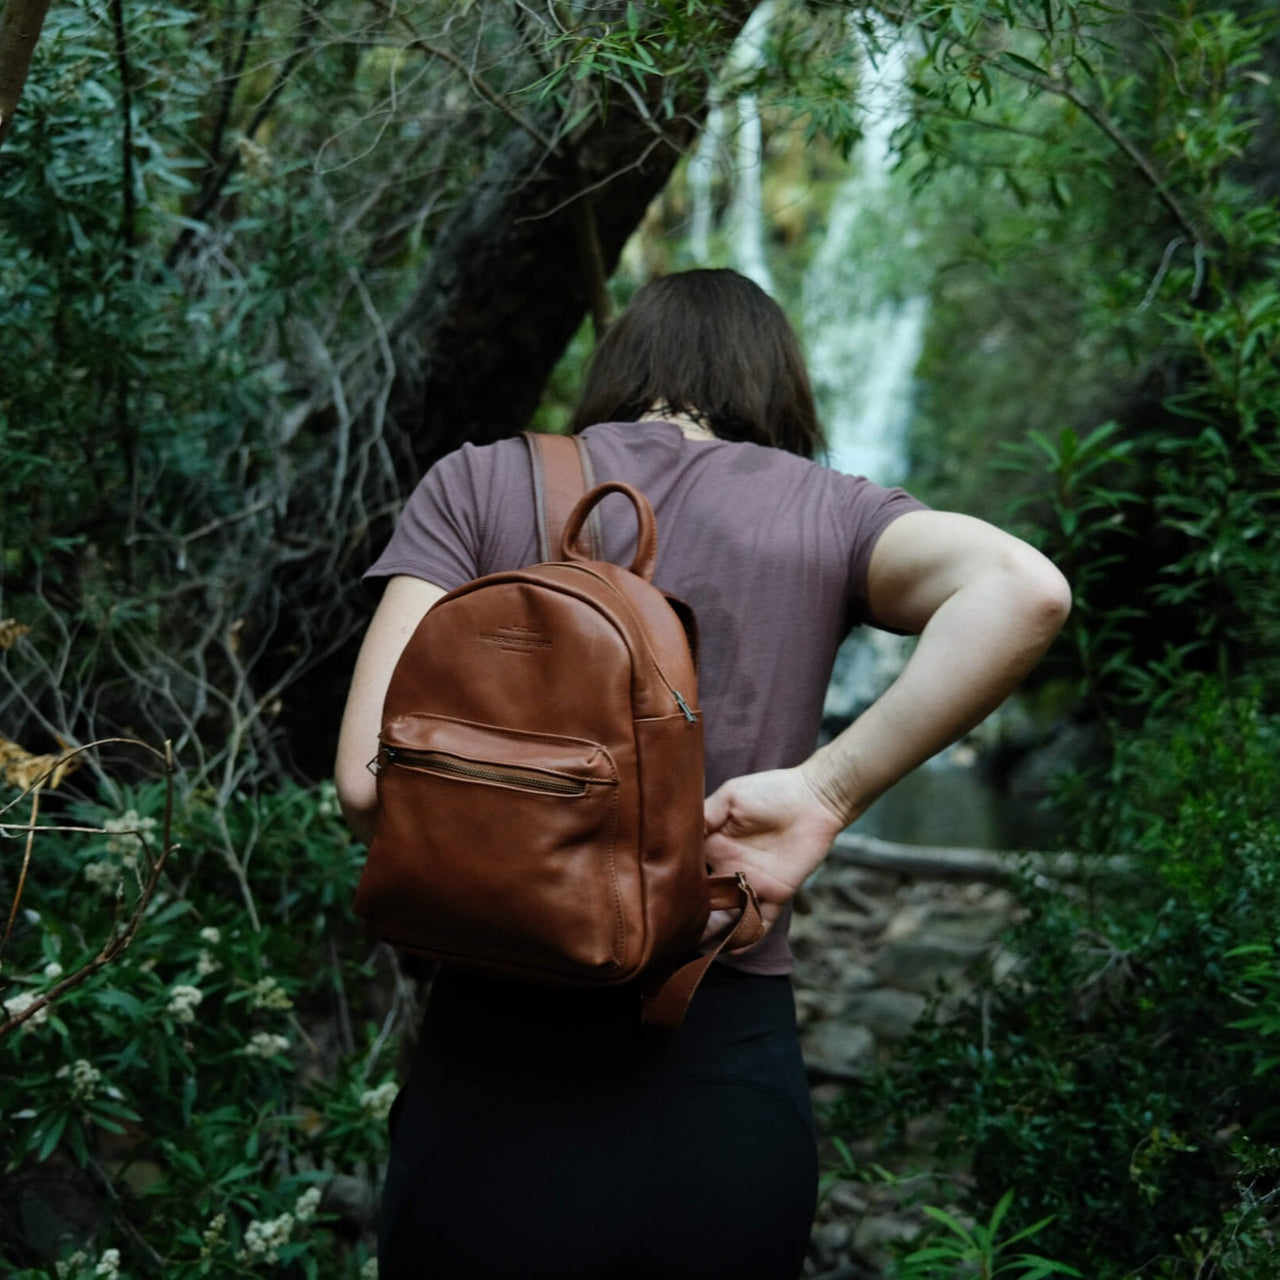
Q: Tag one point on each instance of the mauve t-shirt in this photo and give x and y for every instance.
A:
(769, 549)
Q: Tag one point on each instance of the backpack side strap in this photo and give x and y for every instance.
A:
(562, 473)
(665, 1008)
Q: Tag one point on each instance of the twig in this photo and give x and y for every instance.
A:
(637, 163)
(1065, 89)
(22, 875)
(213, 189)
(477, 82)
(129, 212)
(232, 72)
(594, 272)
(1154, 287)
(345, 1033)
(120, 938)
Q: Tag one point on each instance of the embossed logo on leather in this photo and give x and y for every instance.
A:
(517, 639)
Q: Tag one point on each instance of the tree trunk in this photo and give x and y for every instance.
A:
(20, 23)
(509, 281)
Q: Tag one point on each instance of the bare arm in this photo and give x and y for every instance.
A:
(403, 605)
(986, 606)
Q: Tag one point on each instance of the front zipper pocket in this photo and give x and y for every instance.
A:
(496, 846)
(452, 766)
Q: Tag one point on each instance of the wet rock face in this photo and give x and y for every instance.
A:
(872, 949)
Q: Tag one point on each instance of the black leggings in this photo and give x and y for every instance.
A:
(544, 1135)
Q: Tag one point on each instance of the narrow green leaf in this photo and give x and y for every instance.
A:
(52, 1136)
(1024, 64)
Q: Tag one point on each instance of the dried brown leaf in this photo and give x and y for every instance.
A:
(23, 770)
(11, 630)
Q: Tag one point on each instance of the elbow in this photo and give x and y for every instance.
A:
(1048, 598)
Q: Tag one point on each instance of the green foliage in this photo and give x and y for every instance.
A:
(1112, 1082)
(978, 1250)
(1152, 283)
(218, 1076)
(1085, 535)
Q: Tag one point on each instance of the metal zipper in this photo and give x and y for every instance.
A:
(690, 715)
(436, 762)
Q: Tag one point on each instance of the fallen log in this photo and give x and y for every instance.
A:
(991, 866)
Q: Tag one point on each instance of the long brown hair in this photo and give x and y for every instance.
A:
(711, 344)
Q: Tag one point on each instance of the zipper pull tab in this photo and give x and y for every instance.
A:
(690, 716)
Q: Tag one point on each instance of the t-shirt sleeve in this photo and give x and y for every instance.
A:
(872, 509)
(440, 534)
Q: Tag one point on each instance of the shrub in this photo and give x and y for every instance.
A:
(1123, 1080)
(202, 1101)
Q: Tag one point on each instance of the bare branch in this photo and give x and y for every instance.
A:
(477, 82)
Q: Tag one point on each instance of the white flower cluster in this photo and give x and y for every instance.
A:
(183, 1001)
(20, 1003)
(104, 876)
(124, 839)
(125, 836)
(370, 1269)
(307, 1204)
(84, 1078)
(269, 994)
(264, 1239)
(262, 1044)
(206, 962)
(376, 1103)
(213, 1236)
(327, 802)
(106, 1268)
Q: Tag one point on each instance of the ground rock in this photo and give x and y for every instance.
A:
(838, 1050)
(888, 1013)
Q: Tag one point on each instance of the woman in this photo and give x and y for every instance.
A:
(539, 1135)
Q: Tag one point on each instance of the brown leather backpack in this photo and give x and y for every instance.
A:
(540, 775)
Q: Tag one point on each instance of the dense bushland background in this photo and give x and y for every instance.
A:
(261, 262)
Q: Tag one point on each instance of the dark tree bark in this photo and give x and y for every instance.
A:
(509, 282)
(20, 24)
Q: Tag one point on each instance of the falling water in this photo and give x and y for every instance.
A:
(734, 141)
(864, 329)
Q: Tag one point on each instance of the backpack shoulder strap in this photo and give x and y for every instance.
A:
(562, 473)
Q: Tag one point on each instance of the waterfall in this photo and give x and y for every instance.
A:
(735, 142)
(701, 176)
(863, 313)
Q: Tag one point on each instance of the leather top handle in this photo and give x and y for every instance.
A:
(646, 542)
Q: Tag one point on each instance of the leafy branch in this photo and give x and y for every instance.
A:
(121, 936)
